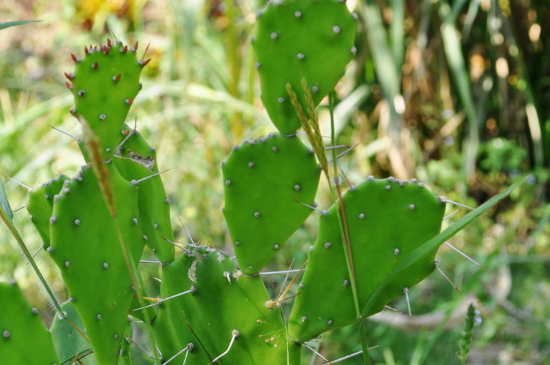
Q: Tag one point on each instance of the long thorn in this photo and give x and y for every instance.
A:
(117, 149)
(346, 178)
(349, 356)
(286, 278)
(392, 309)
(280, 272)
(451, 214)
(68, 134)
(463, 254)
(178, 246)
(445, 200)
(142, 349)
(160, 300)
(17, 182)
(36, 253)
(145, 52)
(135, 182)
(149, 262)
(186, 231)
(234, 335)
(323, 212)
(346, 151)
(406, 291)
(445, 276)
(338, 146)
(186, 349)
(316, 353)
(24, 206)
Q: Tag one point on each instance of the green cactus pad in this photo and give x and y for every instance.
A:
(104, 85)
(265, 180)
(386, 220)
(137, 160)
(86, 248)
(228, 301)
(24, 339)
(40, 206)
(67, 341)
(295, 39)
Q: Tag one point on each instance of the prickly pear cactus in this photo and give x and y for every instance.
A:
(265, 181)
(105, 84)
(301, 39)
(386, 220)
(85, 245)
(24, 339)
(40, 206)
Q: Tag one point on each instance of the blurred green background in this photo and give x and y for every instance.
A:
(454, 93)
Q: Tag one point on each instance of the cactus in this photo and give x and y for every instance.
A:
(376, 242)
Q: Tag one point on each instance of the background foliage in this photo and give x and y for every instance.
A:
(454, 93)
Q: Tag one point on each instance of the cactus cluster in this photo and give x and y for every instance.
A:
(95, 225)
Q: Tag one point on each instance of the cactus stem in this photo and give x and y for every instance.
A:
(234, 335)
(463, 254)
(186, 231)
(316, 353)
(445, 200)
(186, 349)
(135, 182)
(392, 309)
(445, 276)
(15, 181)
(406, 291)
(346, 151)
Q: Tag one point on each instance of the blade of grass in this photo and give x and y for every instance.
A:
(435, 242)
(4, 202)
(396, 31)
(455, 59)
(17, 22)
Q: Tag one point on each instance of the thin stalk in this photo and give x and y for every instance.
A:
(345, 234)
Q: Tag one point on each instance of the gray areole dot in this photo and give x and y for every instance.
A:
(105, 265)
(346, 282)
(256, 214)
(362, 216)
(273, 35)
(237, 243)
(227, 182)
(297, 13)
(336, 29)
(315, 88)
(411, 207)
(353, 50)
(77, 222)
(388, 187)
(102, 116)
(396, 251)
(6, 334)
(135, 220)
(297, 187)
(52, 219)
(275, 149)
(300, 56)
(276, 247)
(281, 100)
(67, 263)
(327, 244)
(329, 322)
(304, 318)
(99, 316)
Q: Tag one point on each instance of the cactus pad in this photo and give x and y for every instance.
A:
(24, 339)
(224, 300)
(85, 246)
(386, 220)
(265, 180)
(67, 341)
(295, 39)
(104, 85)
(137, 160)
(40, 206)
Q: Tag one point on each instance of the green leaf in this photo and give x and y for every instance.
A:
(4, 204)
(18, 22)
(435, 242)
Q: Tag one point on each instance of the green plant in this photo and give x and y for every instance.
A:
(95, 225)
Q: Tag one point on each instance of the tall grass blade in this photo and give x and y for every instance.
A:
(17, 22)
(4, 202)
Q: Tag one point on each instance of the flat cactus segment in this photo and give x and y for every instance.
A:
(386, 220)
(137, 160)
(67, 341)
(295, 39)
(40, 206)
(24, 339)
(86, 248)
(104, 85)
(225, 301)
(265, 181)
